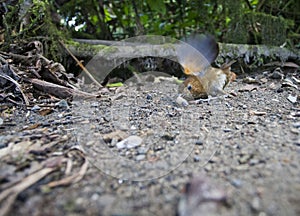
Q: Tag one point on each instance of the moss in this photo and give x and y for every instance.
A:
(110, 49)
(168, 46)
(91, 49)
(259, 28)
(32, 22)
(273, 29)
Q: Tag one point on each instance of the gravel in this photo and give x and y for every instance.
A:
(247, 144)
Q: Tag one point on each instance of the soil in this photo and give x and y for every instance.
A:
(246, 147)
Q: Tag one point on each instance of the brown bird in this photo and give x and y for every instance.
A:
(196, 56)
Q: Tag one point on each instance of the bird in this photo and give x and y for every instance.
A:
(195, 55)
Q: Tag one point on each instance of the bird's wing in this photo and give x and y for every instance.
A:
(196, 54)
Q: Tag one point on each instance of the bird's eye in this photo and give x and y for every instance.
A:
(189, 87)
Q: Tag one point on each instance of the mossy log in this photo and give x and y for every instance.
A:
(89, 48)
(106, 55)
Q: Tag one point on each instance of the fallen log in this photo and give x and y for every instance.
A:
(89, 48)
(105, 58)
(58, 90)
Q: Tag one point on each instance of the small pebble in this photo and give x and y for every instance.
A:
(244, 159)
(35, 108)
(142, 150)
(140, 157)
(158, 148)
(62, 104)
(297, 143)
(130, 142)
(168, 137)
(113, 142)
(292, 99)
(149, 97)
(296, 125)
(107, 118)
(249, 80)
(181, 101)
(199, 142)
(252, 162)
(226, 130)
(255, 204)
(133, 127)
(95, 104)
(196, 158)
(208, 167)
(236, 183)
(264, 80)
(242, 167)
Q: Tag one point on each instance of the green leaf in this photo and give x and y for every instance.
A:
(118, 84)
(157, 5)
(254, 2)
(107, 15)
(94, 19)
(228, 20)
(178, 81)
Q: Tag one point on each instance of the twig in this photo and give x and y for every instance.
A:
(71, 179)
(261, 3)
(20, 58)
(9, 195)
(81, 66)
(249, 5)
(4, 76)
(58, 90)
(140, 28)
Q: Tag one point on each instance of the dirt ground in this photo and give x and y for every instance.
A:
(245, 149)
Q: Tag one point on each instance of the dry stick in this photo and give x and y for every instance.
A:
(71, 179)
(81, 65)
(58, 90)
(17, 85)
(9, 195)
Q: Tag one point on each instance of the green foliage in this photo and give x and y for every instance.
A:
(111, 85)
(236, 21)
(31, 19)
(157, 6)
(226, 19)
(28, 19)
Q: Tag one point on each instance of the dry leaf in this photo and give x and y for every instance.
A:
(248, 87)
(31, 127)
(45, 111)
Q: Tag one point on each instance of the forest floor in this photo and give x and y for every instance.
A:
(132, 152)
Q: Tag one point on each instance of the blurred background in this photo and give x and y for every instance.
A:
(271, 22)
(99, 22)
